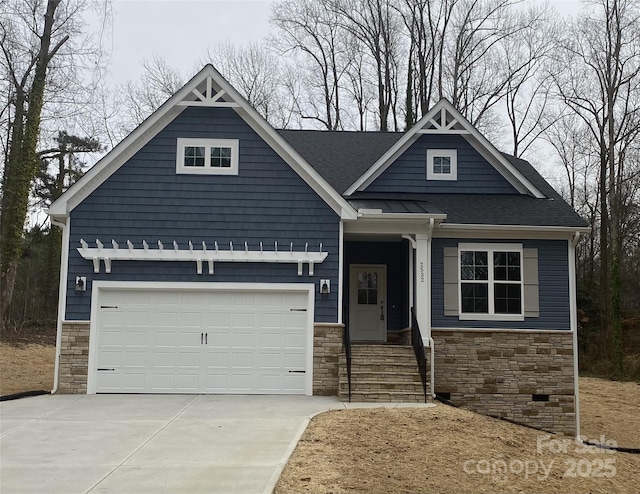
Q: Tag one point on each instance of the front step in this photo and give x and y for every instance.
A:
(381, 373)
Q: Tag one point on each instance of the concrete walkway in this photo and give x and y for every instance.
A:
(151, 443)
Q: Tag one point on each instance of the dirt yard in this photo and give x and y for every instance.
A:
(445, 449)
(26, 368)
(440, 449)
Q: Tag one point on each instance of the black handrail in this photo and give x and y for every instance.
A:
(418, 348)
(347, 349)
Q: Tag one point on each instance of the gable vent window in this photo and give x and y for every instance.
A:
(442, 164)
(207, 156)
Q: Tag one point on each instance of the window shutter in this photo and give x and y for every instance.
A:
(531, 293)
(451, 270)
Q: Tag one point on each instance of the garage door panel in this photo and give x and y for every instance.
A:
(134, 381)
(111, 337)
(132, 358)
(154, 341)
(185, 359)
(167, 339)
(134, 337)
(163, 359)
(164, 319)
(217, 358)
(218, 339)
(163, 381)
(113, 358)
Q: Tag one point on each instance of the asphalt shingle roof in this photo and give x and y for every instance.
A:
(341, 157)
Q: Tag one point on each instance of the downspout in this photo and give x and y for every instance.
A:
(62, 295)
(573, 318)
(431, 342)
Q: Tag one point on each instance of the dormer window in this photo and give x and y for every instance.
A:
(207, 156)
(442, 164)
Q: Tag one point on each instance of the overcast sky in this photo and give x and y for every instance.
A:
(180, 31)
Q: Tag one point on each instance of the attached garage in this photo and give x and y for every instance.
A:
(201, 338)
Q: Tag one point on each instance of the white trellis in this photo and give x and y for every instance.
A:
(200, 256)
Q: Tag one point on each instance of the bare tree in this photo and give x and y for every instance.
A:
(310, 30)
(142, 97)
(39, 43)
(376, 25)
(527, 92)
(600, 84)
(257, 73)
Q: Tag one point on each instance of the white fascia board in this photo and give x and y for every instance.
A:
(471, 134)
(393, 152)
(266, 131)
(169, 110)
(402, 216)
(459, 230)
(489, 152)
(125, 149)
(386, 226)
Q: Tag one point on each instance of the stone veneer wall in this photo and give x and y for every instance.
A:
(74, 357)
(497, 372)
(327, 347)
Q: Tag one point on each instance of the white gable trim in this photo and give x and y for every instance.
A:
(189, 95)
(459, 125)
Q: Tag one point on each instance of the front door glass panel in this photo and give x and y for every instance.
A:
(367, 288)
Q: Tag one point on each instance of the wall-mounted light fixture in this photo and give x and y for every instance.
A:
(81, 283)
(325, 287)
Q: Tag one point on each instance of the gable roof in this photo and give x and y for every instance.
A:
(444, 118)
(206, 88)
(342, 157)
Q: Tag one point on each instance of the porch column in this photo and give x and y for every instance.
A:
(423, 285)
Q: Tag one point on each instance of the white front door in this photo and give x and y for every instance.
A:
(367, 302)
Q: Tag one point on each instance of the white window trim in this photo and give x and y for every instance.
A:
(452, 154)
(490, 249)
(207, 169)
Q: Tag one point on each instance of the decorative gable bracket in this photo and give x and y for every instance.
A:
(207, 96)
(443, 122)
(199, 256)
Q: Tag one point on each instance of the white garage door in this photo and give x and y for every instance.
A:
(187, 341)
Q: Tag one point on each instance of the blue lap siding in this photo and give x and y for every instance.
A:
(553, 278)
(146, 200)
(408, 173)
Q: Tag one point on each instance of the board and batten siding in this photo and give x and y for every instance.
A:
(146, 200)
(408, 173)
(553, 287)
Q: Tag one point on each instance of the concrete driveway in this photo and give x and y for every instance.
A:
(150, 443)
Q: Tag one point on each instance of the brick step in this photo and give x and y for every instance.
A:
(381, 366)
(367, 375)
(381, 350)
(384, 396)
(382, 386)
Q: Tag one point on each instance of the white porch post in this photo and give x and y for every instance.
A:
(423, 285)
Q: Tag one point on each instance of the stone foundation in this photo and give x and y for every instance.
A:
(74, 357)
(497, 373)
(327, 347)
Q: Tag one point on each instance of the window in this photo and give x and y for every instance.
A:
(491, 281)
(442, 164)
(207, 156)
(367, 288)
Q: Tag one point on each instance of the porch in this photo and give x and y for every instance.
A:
(384, 358)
